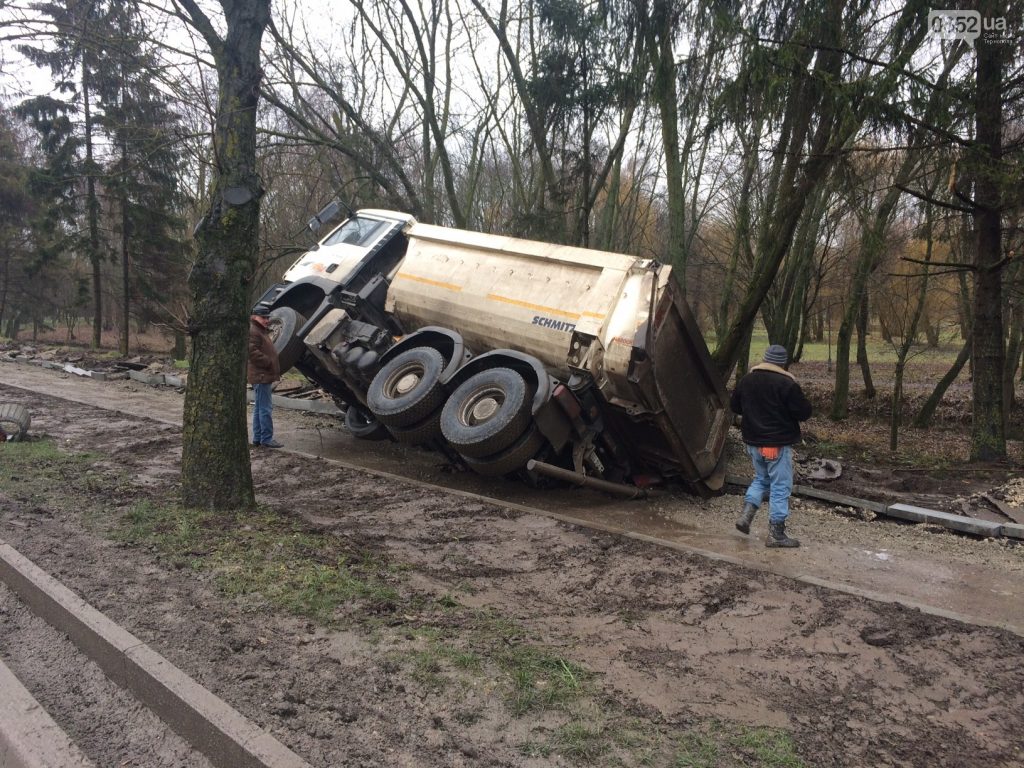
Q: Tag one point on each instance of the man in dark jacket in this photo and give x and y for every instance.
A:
(264, 369)
(772, 406)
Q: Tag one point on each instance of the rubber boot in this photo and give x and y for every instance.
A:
(743, 524)
(777, 536)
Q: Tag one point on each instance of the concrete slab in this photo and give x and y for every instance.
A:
(29, 737)
(153, 379)
(1013, 530)
(214, 728)
(313, 406)
(945, 519)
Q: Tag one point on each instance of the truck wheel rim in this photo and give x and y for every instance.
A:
(403, 381)
(482, 406)
(407, 383)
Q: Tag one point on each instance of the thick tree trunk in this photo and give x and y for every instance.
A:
(988, 431)
(215, 459)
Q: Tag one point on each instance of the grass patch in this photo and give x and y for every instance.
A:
(534, 749)
(696, 750)
(879, 350)
(39, 471)
(490, 649)
(725, 745)
(36, 454)
(594, 739)
(580, 742)
(540, 680)
(263, 554)
(769, 747)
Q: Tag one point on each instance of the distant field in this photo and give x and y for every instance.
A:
(878, 351)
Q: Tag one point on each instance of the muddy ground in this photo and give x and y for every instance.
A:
(468, 634)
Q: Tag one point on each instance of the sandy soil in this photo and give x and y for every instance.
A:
(671, 642)
(108, 724)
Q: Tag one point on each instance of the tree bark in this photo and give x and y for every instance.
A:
(988, 430)
(924, 417)
(215, 459)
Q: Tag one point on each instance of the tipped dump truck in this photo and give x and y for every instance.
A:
(510, 355)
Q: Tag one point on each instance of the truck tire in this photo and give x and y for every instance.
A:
(512, 458)
(285, 324)
(487, 413)
(14, 422)
(408, 389)
(419, 434)
(363, 426)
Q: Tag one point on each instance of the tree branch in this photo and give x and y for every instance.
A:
(934, 201)
(194, 16)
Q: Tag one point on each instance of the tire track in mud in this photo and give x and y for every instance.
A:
(670, 634)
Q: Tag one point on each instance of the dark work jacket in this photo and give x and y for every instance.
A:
(772, 406)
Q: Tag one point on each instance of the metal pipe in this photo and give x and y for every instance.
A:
(574, 478)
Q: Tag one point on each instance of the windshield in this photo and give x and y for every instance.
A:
(356, 231)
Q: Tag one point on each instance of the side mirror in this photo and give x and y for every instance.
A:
(328, 212)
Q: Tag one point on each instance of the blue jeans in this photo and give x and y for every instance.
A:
(773, 479)
(262, 405)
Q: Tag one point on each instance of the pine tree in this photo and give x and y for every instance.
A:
(76, 62)
(51, 223)
(141, 175)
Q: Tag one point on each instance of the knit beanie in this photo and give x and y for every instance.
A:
(776, 354)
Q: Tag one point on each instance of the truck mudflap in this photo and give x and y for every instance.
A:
(688, 421)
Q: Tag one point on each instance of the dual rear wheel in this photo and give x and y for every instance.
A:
(487, 419)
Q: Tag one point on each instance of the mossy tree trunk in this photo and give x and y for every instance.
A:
(215, 460)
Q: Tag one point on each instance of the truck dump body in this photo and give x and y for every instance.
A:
(625, 388)
(539, 298)
(503, 292)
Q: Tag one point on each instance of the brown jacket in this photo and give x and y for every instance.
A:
(264, 366)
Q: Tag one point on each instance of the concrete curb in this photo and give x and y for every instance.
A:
(29, 737)
(935, 517)
(908, 512)
(217, 730)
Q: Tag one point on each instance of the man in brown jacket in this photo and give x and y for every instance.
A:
(264, 370)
